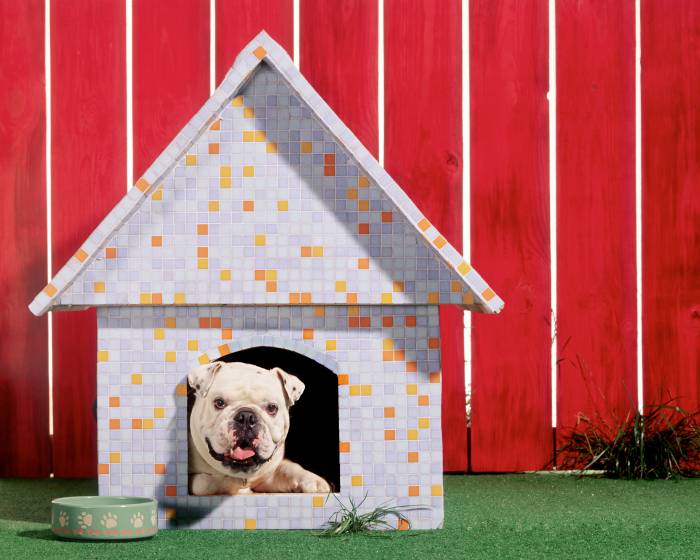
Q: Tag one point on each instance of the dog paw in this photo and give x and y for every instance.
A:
(313, 484)
(137, 520)
(109, 521)
(85, 520)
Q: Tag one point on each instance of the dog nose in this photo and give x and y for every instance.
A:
(246, 418)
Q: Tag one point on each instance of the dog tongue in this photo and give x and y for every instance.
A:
(240, 454)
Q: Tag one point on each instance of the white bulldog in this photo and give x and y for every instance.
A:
(238, 426)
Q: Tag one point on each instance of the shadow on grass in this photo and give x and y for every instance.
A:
(38, 534)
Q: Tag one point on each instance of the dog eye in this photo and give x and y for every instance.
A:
(219, 404)
(272, 409)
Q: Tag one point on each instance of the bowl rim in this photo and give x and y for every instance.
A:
(85, 501)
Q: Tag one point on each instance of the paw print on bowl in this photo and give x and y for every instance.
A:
(85, 520)
(137, 520)
(153, 518)
(109, 520)
(63, 519)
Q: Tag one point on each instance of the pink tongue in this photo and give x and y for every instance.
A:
(240, 454)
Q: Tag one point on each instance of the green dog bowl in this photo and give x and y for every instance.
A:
(104, 517)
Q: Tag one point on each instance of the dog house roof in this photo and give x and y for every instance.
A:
(265, 197)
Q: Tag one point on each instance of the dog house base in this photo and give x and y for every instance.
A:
(388, 407)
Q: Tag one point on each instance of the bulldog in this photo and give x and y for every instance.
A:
(238, 426)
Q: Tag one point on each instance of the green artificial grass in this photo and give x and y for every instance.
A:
(487, 516)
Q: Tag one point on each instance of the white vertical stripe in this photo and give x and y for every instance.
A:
(296, 33)
(638, 191)
(49, 260)
(212, 46)
(466, 185)
(552, 96)
(380, 80)
(129, 96)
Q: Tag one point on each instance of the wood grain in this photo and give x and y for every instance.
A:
(24, 396)
(171, 72)
(671, 201)
(237, 22)
(339, 58)
(423, 153)
(511, 375)
(88, 85)
(596, 278)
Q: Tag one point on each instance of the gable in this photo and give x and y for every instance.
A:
(268, 204)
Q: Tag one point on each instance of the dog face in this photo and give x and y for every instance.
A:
(240, 418)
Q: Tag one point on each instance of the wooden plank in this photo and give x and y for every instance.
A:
(596, 281)
(671, 201)
(88, 178)
(511, 379)
(423, 152)
(171, 72)
(339, 58)
(238, 22)
(24, 396)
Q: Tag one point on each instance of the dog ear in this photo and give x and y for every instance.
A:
(292, 385)
(201, 378)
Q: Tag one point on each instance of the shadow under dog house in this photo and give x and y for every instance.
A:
(265, 222)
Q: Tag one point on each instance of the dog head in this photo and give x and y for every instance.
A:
(240, 417)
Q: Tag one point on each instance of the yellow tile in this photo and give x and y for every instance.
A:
(271, 275)
(260, 136)
(434, 297)
(330, 344)
(357, 480)
(248, 136)
(103, 356)
(159, 334)
(171, 356)
(142, 184)
(248, 171)
(147, 423)
(411, 389)
(412, 434)
(248, 113)
(468, 298)
(260, 240)
(180, 298)
(463, 268)
(355, 390)
(237, 101)
(225, 182)
(145, 299)
(81, 255)
(159, 412)
(136, 379)
(115, 457)
(250, 524)
(225, 274)
(193, 345)
(158, 194)
(317, 501)
(50, 290)
(387, 297)
(191, 159)
(213, 206)
(340, 286)
(436, 490)
(225, 171)
(366, 390)
(99, 287)
(306, 147)
(388, 344)
(362, 182)
(203, 359)
(202, 264)
(317, 251)
(424, 423)
(282, 205)
(488, 294)
(271, 148)
(439, 241)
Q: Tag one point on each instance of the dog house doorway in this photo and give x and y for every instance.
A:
(313, 439)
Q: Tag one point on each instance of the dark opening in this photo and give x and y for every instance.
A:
(313, 439)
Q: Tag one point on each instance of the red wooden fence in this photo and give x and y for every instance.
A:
(509, 188)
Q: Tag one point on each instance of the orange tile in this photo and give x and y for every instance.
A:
(181, 390)
(363, 229)
(433, 343)
(306, 251)
(389, 435)
(102, 468)
(329, 159)
(363, 264)
(157, 298)
(170, 322)
(248, 206)
(293, 298)
(411, 367)
(171, 490)
(387, 321)
(114, 402)
(271, 286)
(114, 424)
(435, 377)
(423, 400)
(226, 334)
(305, 297)
(389, 412)
(409, 321)
(216, 322)
(412, 457)
(387, 217)
(343, 379)
(111, 252)
(344, 447)
(159, 468)
(202, 229)
(81, 255)
(204, 322)
(136, 424)
(351, 298)
(414, 490)
(308, 334)
(213, 148)
(202, 252)
(329, 170)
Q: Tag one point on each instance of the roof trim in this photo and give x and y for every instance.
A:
(479, 297)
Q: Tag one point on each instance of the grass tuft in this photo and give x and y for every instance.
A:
(348, 520)
(661, 442)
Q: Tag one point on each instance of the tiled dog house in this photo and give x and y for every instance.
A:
(265, 223)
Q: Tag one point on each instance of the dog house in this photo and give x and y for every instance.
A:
(266, 224)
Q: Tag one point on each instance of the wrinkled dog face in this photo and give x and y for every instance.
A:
(241, 414)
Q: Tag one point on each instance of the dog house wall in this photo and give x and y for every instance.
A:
(387, 359)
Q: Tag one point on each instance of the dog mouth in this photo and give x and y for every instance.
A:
(243, 455)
